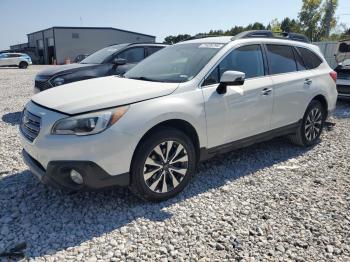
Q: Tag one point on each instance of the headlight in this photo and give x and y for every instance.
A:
(88, 124)
(57, 81)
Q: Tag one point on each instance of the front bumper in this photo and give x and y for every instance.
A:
(112, 150)
(57, 174)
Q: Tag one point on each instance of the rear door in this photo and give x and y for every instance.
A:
(291, 83)
(243, 111)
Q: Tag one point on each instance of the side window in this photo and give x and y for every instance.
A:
(310, 59)
(300, 63)
(133, 55)
(281, 59)
(152, 49)
(246, 59)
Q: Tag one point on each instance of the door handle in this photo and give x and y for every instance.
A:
(308, 82)
(266, 91)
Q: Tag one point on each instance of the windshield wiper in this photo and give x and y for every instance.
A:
(145, 79)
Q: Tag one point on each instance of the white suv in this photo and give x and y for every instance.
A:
(186, 103)
(15, 59)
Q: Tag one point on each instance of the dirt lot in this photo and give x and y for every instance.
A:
(272, 201)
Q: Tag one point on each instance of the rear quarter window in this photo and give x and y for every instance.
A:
(311, 60)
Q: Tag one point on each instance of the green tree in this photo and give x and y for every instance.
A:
(290, 25)
(175, 39)
(236, 30)
(285, 25)
(317, 18)
(310, 17)
(275, 26)
(256, 26)
(328, 21)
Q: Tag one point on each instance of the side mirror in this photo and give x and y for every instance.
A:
(230, 78)
(119, 61)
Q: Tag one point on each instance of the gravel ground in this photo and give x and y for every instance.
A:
(269, 202)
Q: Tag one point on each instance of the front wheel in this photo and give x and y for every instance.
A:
(309, 132)
(23, 65)
(163, 165)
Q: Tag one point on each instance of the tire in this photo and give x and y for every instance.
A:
(23, 65)
(304, 135)
(155, 177)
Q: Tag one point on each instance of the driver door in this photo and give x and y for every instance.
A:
(132, 56)
(243, 111)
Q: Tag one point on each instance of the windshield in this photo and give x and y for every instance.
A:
(176, 64)
(101, 55)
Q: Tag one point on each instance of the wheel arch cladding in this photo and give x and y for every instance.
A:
(324, 103)
(178, 124)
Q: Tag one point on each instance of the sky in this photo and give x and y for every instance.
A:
(155, 17)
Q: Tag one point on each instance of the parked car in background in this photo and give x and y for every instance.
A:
(15, 59)
(342, 56)
(112, 60)
(80, 58)
(343, 81)
(343, 51)
(188, 102)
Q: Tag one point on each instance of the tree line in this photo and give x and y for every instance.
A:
(316, 20)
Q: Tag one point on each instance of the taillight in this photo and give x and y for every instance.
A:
(333, 75)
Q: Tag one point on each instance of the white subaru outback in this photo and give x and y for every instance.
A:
(186, 103)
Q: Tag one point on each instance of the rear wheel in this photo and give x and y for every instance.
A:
(23, 65)
(163, 165)
(311, 126)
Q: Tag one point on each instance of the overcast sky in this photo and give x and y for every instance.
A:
(155, 17)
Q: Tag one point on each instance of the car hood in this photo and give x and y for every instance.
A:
(100, 93)
(63, 69)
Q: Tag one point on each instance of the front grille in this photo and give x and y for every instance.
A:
(343, 89)
(42, 85)
(30, 125)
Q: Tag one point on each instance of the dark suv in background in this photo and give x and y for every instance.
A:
(111, 60)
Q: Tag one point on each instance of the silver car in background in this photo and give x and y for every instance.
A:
(15, 59)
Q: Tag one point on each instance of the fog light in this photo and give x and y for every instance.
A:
(76, 177)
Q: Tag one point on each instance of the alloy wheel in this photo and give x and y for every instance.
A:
(165, 167)
(313, 124)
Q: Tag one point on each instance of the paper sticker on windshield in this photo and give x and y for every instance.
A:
(217, 46)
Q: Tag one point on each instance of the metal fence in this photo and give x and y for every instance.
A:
(328, 49)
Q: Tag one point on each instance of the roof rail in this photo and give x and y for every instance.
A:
(296, 37)
(199, 37)
(270, 34)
